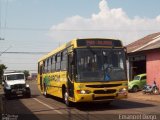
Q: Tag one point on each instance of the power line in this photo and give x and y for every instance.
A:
(25, 29)
(25, 53)
(5, 50)
(21, 58)
(98, 29)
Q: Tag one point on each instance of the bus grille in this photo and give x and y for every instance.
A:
(104, 98)
(103, 85)
(109, 91)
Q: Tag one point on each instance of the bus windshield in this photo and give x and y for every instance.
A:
(97, 65)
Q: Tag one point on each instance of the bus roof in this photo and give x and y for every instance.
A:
(72, 42)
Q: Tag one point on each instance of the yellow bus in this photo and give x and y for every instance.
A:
(85, 70)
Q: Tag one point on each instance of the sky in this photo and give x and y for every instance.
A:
(43, 25)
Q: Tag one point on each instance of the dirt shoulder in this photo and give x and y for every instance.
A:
(147, 97)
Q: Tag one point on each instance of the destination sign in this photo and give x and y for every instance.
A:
(98, 42)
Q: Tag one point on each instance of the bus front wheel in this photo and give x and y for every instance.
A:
(66, 99)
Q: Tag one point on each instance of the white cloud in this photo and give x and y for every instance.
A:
(108, 23)
(158, 18)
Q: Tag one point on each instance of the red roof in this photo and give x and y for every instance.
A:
(151, 41)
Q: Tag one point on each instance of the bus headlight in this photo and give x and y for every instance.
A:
(83, 91)
(122, 91)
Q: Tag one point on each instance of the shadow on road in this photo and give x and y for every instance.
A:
(119, 104)
(115, 105)
(15, 109)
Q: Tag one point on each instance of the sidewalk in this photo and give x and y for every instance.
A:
(147, 97)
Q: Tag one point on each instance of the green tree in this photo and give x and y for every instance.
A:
(26, 73)
(2, 68)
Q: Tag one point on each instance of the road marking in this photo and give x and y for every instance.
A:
(48, 106)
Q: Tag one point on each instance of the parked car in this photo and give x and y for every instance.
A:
(137, 83)
(15, 84)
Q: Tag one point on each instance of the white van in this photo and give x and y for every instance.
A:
(15, 84)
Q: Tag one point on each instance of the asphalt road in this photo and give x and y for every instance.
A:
(39, 107)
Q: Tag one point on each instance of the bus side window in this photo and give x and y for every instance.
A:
(53, 63)
(49, 64)
(64, 60)
(58, 60)
(46, 65)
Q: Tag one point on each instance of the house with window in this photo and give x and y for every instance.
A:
(144, 57)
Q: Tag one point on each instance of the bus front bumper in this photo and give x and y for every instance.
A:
(99, 97)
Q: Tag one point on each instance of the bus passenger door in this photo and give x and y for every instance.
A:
(70, 81)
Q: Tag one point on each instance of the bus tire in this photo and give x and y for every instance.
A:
(66, 99)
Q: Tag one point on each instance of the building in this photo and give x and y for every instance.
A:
(144, 57)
